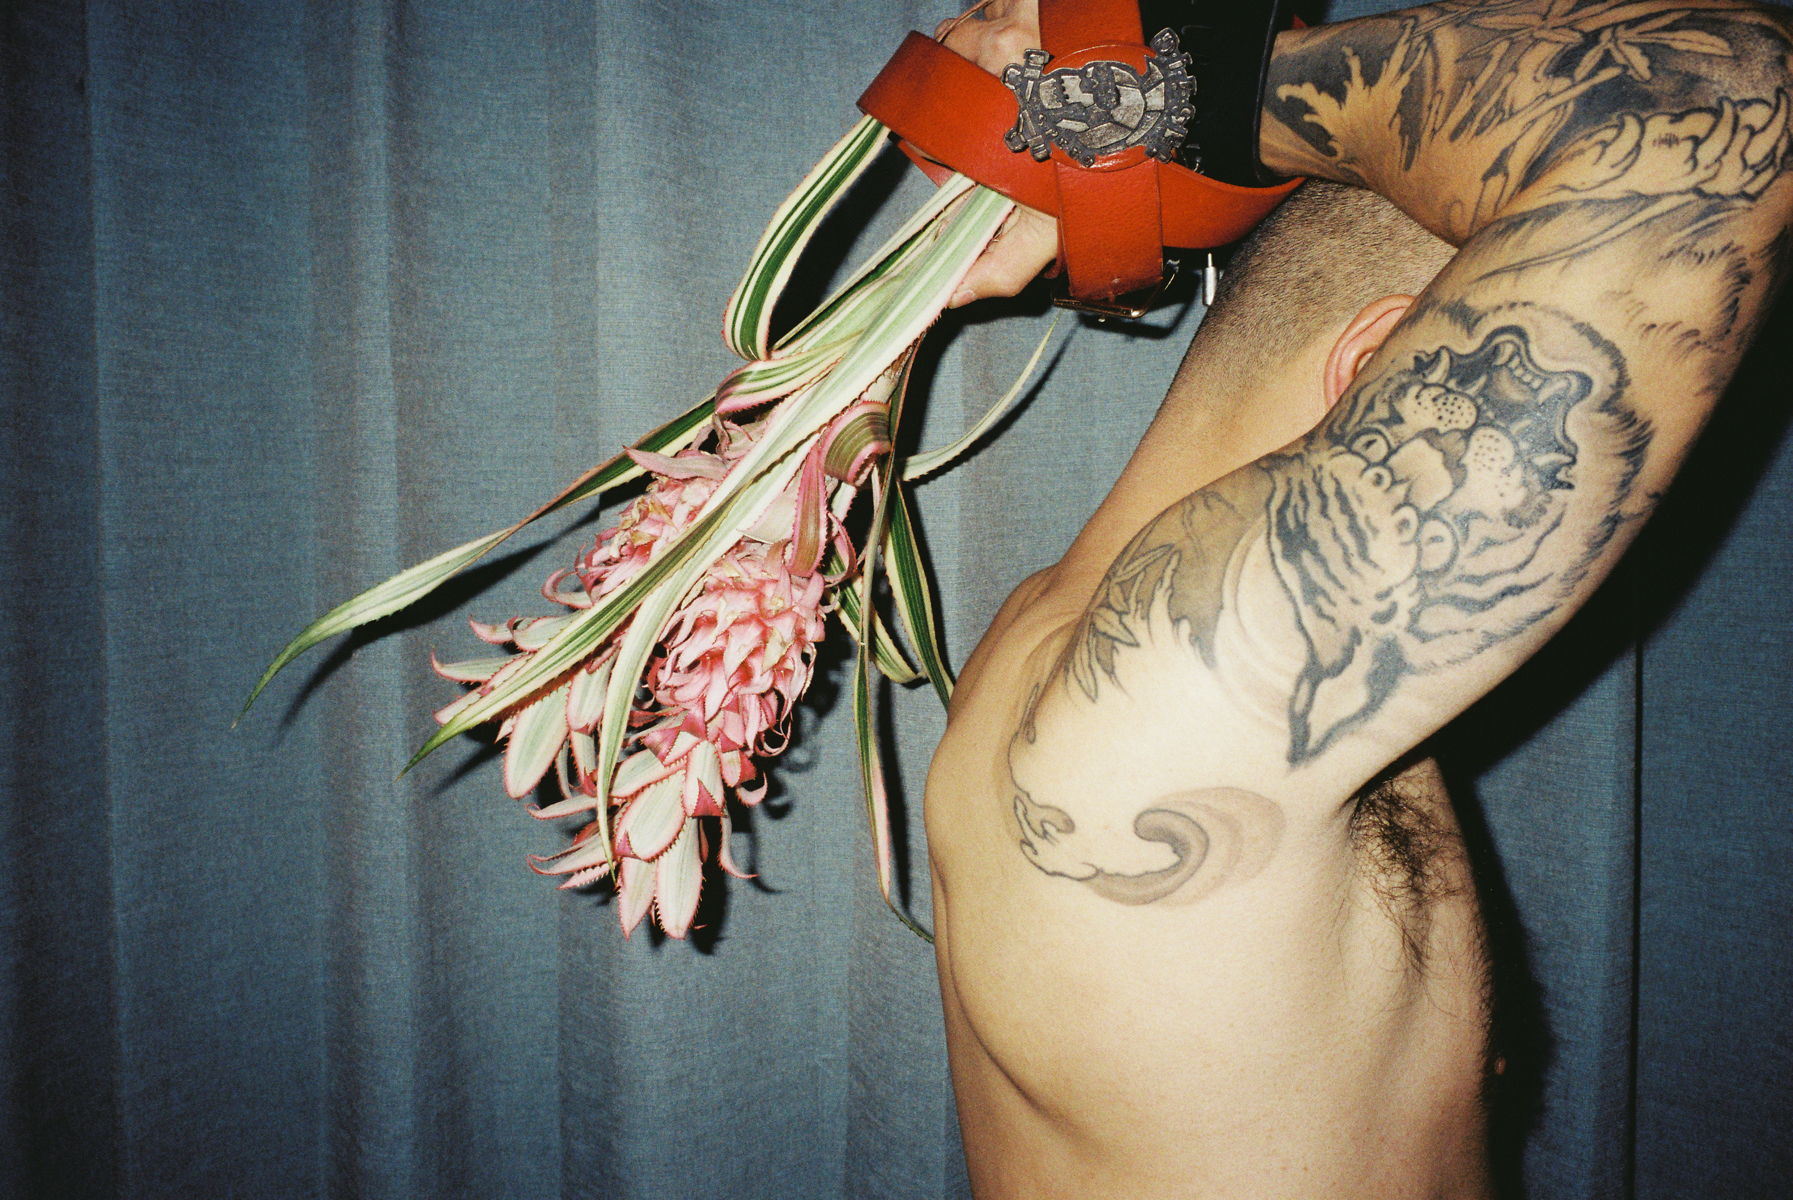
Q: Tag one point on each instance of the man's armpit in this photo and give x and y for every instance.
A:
(1455, 501)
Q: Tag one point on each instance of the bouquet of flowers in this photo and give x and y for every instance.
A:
(689, 630)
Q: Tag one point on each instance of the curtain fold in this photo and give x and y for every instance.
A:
(298, 293)
(60, 1112)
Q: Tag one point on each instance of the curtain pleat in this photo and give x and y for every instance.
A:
(1715, 931)
(298, 293)
(61, 1108)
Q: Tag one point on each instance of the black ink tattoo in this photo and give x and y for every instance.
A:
(1210, 521)
(1214, 836)
(1416, 530)
(1447, 506)
(1461, 495)
(1647, 105)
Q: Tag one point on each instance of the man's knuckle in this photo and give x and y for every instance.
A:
(1011, 44)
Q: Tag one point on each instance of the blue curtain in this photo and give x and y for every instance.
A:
(298, 294)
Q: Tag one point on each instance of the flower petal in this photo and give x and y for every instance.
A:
(725, 856)
(678, 878)
(534, 633)
(497, 635)
(585, 703)
(588, 876)
(652, 820)
(574, 599)
(537, 736)
(702, 794)
(585, 753)
(472, 670)
(573, 804)
(447, 712)
(636, 772)
(576, 857)
(694, 466)
(635, 893)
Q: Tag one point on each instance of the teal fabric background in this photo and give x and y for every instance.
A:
(298, 294)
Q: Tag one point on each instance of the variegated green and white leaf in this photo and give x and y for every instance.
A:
(886, 653)
(912, 307)
(918, 465)
(762, 382)
(823, 338)
(877, 800)
(909, 241)
(746, 321)
(382, 600)
(410, 586)
(911, 588)
(865, 726)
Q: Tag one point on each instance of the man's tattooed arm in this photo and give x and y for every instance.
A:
(1616, 174)
(1451, 503)
(1465, 112)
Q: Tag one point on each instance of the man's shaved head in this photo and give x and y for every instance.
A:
(1313, 264)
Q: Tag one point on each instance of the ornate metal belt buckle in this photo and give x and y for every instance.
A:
(1096, 109)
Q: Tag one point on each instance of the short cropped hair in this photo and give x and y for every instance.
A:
(1313, 264)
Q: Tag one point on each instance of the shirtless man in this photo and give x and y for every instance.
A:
(1195, 936)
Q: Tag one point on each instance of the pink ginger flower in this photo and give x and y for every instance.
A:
(668, 508)
(733, 662)
(740, 653)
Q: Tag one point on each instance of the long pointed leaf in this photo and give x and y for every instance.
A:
(918, 465)
(914, 305)
(673, 436)
(410, 586)
(877, 800)
(766, 380)
(402, 590)
(871, 769)
(886, 653)
(911, 588)
(746, 321)
(901, 248)
(823, 338)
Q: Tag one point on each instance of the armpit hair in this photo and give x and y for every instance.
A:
(1407, 847)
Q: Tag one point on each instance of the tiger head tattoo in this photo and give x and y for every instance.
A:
(1411, 535)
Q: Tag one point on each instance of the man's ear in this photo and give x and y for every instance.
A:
(1361, 338)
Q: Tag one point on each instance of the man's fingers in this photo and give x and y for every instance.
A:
(1003, 36)
(1029, 240)
(1020, 252)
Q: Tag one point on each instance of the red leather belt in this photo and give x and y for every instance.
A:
(1117, 212)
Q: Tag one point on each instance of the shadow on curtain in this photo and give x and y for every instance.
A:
(297, 294)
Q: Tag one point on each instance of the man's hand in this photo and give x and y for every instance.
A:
(993, 37)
